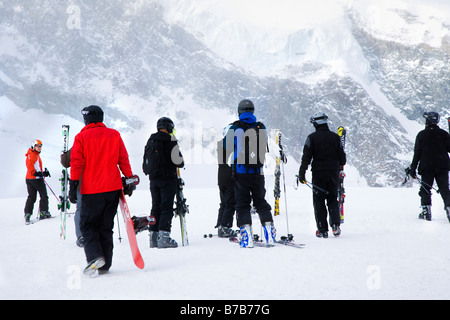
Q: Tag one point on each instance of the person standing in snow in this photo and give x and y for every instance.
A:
(35, 182)
(98, 153)
(431, 150)
(162, 157)
(249, 138)
(324, 148)
(226, 188)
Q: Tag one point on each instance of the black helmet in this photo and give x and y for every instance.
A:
(165, 123)
(318, 118)
(246, 106)
(92, 114)
(431, 117)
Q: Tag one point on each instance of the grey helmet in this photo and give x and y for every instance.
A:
(431, 117)
(246, 106)
(319, 118)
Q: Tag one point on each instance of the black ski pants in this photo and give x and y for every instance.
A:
(163, 194)
(327, 180)
(96, 224)
(428, 178)
(248, 187)
(33, 187)
(227, 206)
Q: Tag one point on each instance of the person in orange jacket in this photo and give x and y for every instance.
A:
(35, 182)
(100, 155)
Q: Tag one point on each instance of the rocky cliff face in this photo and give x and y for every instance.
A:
(128, 57)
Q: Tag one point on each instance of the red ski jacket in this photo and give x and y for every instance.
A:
(98, 152)
(33, 163)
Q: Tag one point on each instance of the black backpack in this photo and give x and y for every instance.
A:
(254, 145)
(153, 162)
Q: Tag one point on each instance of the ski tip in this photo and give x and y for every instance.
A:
(140, 264)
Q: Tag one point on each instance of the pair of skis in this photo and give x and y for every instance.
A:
(181, 209)
(287, 241)
(64, 203)
(281, 159)
(342, 132)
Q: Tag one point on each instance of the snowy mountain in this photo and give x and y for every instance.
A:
(373, 68)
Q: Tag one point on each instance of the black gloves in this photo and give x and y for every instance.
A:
(301, 176)
(73, 186)
(411, 172)
(46, 173)
(41, 174)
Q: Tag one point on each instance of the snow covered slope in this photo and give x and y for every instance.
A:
(384, 252)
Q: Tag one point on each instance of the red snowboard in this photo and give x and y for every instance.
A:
(137, 258)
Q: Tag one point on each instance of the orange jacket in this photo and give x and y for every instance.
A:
(98, 152)
(33, 163)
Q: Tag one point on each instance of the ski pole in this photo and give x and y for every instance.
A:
(422, 183)
(118, 227)
(48, 186)
(284, 160)
(313, 186)
(427, 185)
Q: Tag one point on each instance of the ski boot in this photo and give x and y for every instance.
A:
(225, 232)
(246, 236)
(336, 230)
(80, 242)
(165, 241)
(426, 213)
(448, 213)
(44, 215)
(153, 235)
(93, 266)
(269, 234)
(322, 234)
(27, 218)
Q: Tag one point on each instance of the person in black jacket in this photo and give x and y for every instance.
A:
(325, 150)
(162, 157)
(225, 181)
(431, 150)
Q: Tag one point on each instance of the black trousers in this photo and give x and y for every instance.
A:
(248, 187)
(33, 187)
(441, 179)
(327, 180)
(227, 206)
(96, 224)
(163, 194)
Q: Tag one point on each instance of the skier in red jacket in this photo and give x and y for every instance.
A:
(98, 153)
(35, 182)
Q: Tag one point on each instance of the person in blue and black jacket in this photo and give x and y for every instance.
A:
(250, 146)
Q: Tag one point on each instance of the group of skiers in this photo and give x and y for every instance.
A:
(98, 158)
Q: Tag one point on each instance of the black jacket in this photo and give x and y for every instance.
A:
(325, 150)
(164, 156)
(431, 150)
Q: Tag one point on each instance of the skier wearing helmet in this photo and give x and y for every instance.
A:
(35, 182)
(325, 150)
(431, 150)
(162, 157)
(100, 155)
